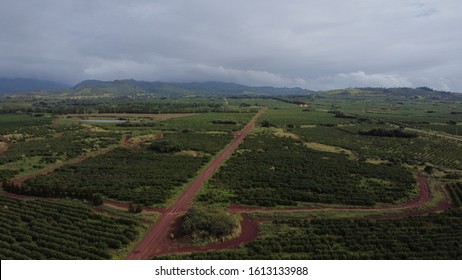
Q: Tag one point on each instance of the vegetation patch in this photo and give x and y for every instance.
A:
(436, 236)
(142, 177)
(455, 193)
(224, 122)
(281, 171)
(380, 132)
(199, 141)
(35, 229)
(208, 223)
(414, 151)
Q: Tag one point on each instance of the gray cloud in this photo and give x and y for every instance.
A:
(312, 44)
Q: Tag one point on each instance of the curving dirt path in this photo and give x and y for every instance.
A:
(249, 231)
(250, 227)
(151, 245)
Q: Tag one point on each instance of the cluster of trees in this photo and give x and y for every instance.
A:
(17, 121)
(6, 175)
(205, 222)
(34, 229)
(381, 132)
(266, 123)
(129, 104)
(205, 142)
(173, 142)
(298, 117)
(436, 236)
(204, 122)
(224, 122)
(134, 208)
(164, 146)
(281, 171)
(138, 124)
(141, 177)
(342, 115)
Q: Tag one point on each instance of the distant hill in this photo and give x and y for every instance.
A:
(399, 92)
(22, 85)
(133, 87)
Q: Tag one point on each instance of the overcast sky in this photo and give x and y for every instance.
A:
(312, 44)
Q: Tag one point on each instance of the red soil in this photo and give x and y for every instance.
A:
(249, 231)
(414, 211)
(7, 144)
(127, 141)
(152, 243)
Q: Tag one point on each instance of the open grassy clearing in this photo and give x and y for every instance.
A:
(329, 149)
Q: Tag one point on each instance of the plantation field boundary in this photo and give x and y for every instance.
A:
(155, 239)
(49, 169)
(250, 225)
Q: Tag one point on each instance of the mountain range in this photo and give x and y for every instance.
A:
(131, 87)
(116, 88)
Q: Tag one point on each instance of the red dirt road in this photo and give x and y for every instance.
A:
(151, 245)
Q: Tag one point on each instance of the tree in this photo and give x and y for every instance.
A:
(97, 199)
(429, 169)
(204, 222)
(134, 208)
(266, 123)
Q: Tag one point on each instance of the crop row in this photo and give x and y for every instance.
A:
(205, 122)
(34, 229)
(414, 150)
(455, 192)
(142, 177)
(271, 170)
(206, 142)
